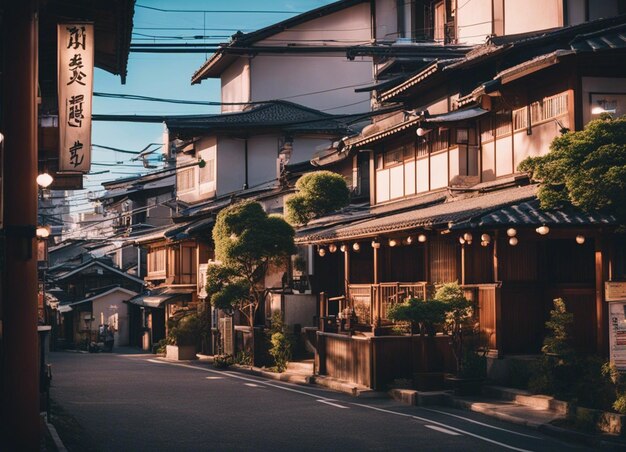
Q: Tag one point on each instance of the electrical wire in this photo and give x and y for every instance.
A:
(218, 11)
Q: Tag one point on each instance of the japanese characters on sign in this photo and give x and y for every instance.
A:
(75, 86)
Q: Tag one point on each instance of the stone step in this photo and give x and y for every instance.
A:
(525, 398)
(301, 367)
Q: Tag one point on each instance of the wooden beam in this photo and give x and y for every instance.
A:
(375, 265)
(346, 270)
(601, 275)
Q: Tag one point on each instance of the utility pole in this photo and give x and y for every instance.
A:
(20, 379)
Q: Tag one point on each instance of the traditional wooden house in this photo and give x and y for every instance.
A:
(448, 203)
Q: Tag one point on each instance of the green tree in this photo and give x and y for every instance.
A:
(246, 241)
(586, 169)
(318, 194)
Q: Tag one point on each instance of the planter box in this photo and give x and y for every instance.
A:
(603, 421)
(181, 352)
(464, 386)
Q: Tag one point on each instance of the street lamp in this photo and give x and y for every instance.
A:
(44, 180)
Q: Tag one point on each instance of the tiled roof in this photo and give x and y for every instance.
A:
(276, 114)
(454, 210)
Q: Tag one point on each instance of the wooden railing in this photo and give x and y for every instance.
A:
(371, 302)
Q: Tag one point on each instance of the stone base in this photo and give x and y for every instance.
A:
(181, 352)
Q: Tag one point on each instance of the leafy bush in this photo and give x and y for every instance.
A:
(427, 314)
(318, 193)
(186, 331)
(223, 361)
(243, 359)
(281, 341)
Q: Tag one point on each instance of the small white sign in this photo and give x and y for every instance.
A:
(615, 291)
(617, 334)
(75, 63)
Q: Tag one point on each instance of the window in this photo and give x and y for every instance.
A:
(502, 123)
(156, 260)
(393, 157)
(185, 180)
(440, 140)
(520, 119)
(548, 108)
(187, 264)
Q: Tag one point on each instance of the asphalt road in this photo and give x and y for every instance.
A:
(143, 403)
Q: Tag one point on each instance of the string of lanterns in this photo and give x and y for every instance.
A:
(466, 239)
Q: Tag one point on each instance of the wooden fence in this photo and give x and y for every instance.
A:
(376, 361)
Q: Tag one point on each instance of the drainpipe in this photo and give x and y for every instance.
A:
(19, 368)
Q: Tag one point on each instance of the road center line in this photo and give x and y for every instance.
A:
(481, 423)
(442, 430)
(252, 385)
(430, 421)
(240, 377)
(332, 404)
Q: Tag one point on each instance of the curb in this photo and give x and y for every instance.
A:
(54, 435)
(472, 406)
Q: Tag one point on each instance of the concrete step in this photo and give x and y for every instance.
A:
(301, 367)
(352, 389)
(508, 411)
(525, 398)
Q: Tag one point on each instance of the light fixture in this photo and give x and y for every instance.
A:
(332, 248)
(375, 244)
(43, 232)
(44, 180)
(484, 243)
(461, 240)
(356, 246)
(485, 238)
(511, 232)
(421, 132)
(421, 238)
(409, 240)
(513, 241)
(393, 242)
(321, 252)
(542, 230)
(468, 237)
(343, 248)
(580, 239)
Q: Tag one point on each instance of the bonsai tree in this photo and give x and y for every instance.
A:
(246, 241)
(460, 325)
(426, 314)
(318, 194)
(586, 169)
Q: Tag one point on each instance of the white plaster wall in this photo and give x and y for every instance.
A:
(382, 185)
(422, 175)
(262, 155)
(304, 148)
(531, 15)
(349, 26)
(488, 164)
(454, 163)
(409, 178)
(112, 309)
(504, 156)
(474, 21)
(438, 170)
(207, 150)
(321, 81)
(599, 85)
(538, 143)
(386, 20)
(230, 165)
(235, 82)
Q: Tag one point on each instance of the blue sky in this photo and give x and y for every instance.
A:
(169, 75)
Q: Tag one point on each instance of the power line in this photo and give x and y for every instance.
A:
(241, 11)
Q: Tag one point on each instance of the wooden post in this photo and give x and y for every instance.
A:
(323, 310)
(346, 270)
(19, 353)
(601, 273)
(495, 256)
(463, 264)
(375, 265)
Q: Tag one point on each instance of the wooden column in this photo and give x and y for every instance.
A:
(601, 273)
(346, 270)
(463, 264)
(19, 369)
(376, 265)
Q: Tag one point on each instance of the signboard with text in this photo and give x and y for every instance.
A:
(617, 334)
(75, 88)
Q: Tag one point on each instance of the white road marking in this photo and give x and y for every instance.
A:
(481, 423)
(430, 421)
(240, 377)
(214, 378)
(442, 430)
(332, 404)
(252, 385)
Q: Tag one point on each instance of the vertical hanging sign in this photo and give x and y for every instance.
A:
(75, 86)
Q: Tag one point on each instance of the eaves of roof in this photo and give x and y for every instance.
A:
(220, 60)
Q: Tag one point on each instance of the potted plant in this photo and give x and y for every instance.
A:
(464, 339)
(184, 337)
